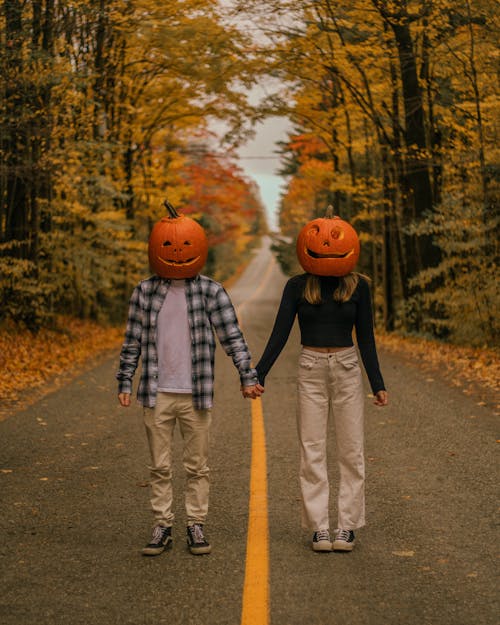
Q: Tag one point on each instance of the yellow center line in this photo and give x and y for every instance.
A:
(255, 603)
(255, 606)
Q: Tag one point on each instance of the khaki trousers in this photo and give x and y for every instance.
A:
(194, 427)
(331, 384)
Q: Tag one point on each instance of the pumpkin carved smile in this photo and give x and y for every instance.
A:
(318, 255)
(177, 263)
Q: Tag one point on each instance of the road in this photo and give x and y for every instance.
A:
(75, 512)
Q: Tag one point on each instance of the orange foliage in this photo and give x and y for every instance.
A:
(220, 192)
(306, 146)
(32, 362)
(474, 370)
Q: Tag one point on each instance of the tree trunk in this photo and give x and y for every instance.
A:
(14, 199)
(434, 132)
(419, 199)
(41, 127)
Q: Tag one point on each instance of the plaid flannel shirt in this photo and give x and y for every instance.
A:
(209, 308)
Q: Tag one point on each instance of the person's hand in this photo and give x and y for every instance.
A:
(252, 392)
(381, 398)
(124, 399)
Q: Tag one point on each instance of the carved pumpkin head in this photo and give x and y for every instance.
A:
(328, 246)
(178, 246)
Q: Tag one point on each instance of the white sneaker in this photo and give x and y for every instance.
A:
(344, 540)
(321, 541)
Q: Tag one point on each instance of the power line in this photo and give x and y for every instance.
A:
(274, 158)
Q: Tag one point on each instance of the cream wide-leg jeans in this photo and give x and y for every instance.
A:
(194, 427)
(331, 384)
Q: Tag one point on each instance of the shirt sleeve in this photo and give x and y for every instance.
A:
(225, 323)
(366, 339)
(280, 332)
(131, 348)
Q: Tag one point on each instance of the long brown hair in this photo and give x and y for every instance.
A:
(343, 293)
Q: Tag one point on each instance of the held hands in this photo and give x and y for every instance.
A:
(252, 392)
(381, 398)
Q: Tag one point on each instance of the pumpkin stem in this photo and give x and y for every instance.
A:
(329, 212)
(172, 213)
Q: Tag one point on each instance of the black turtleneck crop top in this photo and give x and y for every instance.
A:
(329, 324)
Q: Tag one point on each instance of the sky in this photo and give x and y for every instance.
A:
(257, 157)
(259, 162)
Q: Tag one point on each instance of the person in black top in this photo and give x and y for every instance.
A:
(329, 381)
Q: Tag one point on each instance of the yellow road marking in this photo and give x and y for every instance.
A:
(255, 608)
(255, 604)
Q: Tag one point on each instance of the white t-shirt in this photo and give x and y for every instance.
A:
(173, 342)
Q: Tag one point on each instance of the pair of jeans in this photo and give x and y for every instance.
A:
(330, 384)
(194, 427)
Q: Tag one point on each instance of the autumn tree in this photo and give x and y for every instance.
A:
(98, 104)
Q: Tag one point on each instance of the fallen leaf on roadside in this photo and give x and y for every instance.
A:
(62, 350)
(6, 471)
(403, 554)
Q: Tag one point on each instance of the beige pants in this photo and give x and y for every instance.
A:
(194, 427)
(331, 384)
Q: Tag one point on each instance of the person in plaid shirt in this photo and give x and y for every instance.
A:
(170, 327)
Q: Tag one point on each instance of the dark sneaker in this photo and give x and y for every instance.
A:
(344, 540)
(161, 540)
(321, 541)
(196, 540)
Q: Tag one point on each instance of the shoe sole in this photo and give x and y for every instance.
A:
(155, 551)
(200, 551)
(322, 545)
(341, 545)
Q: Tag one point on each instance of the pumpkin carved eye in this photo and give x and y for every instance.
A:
(167, 243)
(187, 243)
(337, 234)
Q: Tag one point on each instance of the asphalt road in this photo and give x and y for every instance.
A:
(75, 511)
